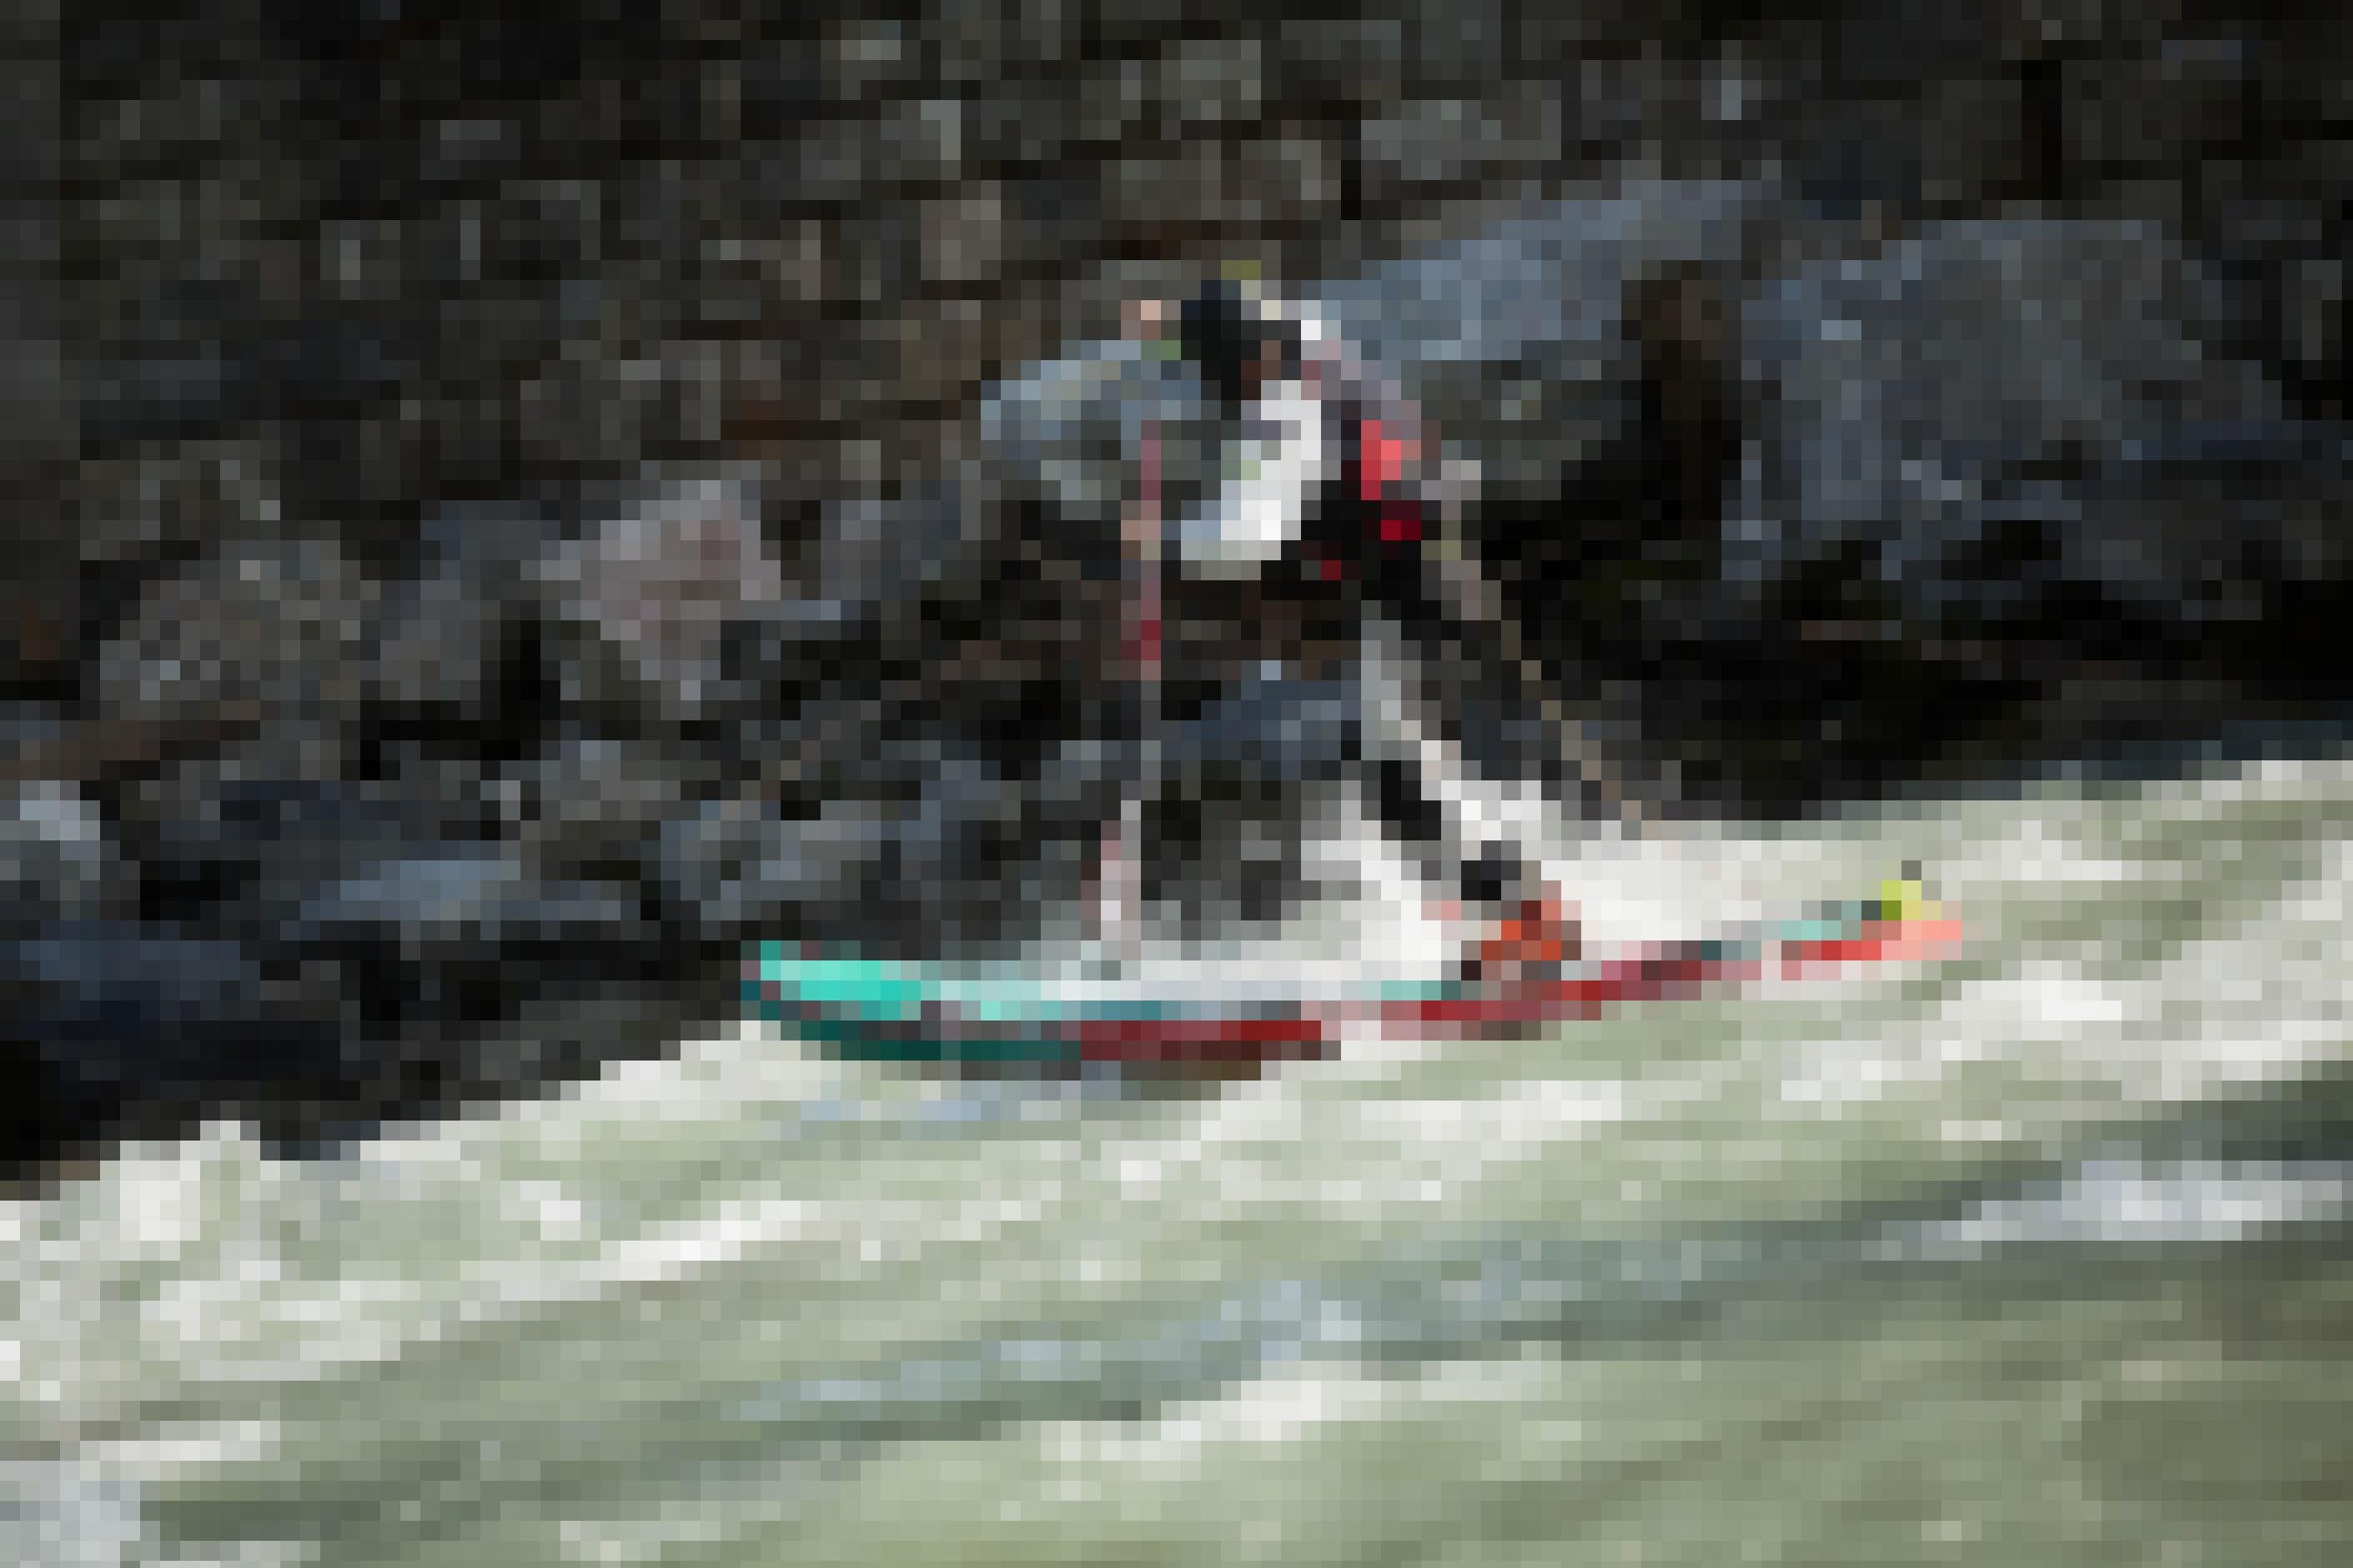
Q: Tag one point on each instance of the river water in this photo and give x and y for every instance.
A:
(2036, 1254)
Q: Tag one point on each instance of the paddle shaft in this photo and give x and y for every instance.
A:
(1123, 848)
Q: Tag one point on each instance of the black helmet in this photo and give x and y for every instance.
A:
(1223, 332)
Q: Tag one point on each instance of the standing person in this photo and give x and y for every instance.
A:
(1321, 496)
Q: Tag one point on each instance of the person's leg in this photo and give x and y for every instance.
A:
(1478, 869)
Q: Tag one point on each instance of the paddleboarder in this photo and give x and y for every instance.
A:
(1322, 495)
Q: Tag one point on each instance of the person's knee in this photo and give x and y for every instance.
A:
(1494, 878)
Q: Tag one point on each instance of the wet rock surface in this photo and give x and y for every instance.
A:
(535, 514)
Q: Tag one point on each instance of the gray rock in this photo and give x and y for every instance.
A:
(459, 895)
(1920, 397)
(263, 632)
(1514, 343)
(56, 859)
(657, 581)
(123, 1025)
(232, 838)
(729, 871)
(590, 802)
(442, 641)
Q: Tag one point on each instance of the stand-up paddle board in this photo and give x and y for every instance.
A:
(1038, 1017)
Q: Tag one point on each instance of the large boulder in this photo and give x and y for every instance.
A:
(1940, 401)
(1520, 344)
(1792, 505)
(263, 633)
(114, 1025)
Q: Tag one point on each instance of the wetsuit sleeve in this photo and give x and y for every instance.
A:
(1270, 474)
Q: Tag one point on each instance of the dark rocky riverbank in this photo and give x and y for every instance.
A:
(521, 528)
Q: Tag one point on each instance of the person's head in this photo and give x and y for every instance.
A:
(1232, 343)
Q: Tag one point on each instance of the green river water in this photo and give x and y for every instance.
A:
(2038, 1253)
